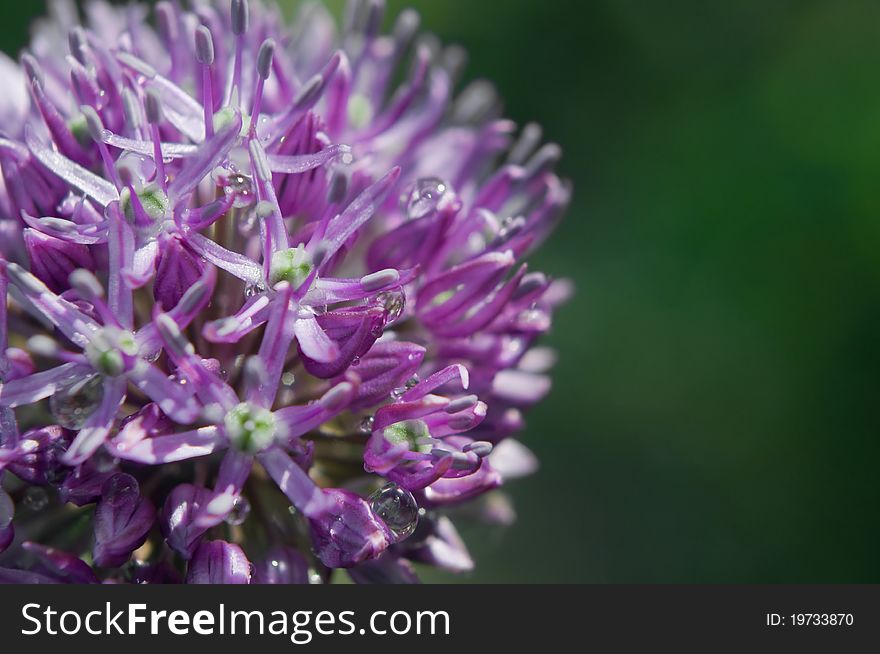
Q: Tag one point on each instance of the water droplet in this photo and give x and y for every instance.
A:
(423, 197)
(394, 303)
(411, 383)
(238, 185)
(73, 403)
(240, 511)
(366, 425)
(315, 577)
(356, 361)
(134, 571)
(533, 318)
(288, 379)
(251, 290)
(35, 498)
(398, 509)
(337, 527)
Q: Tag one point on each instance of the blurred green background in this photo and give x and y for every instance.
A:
(714, 417)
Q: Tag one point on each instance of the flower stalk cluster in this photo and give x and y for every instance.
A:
(263, 310)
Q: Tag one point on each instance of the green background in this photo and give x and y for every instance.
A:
(714, 417)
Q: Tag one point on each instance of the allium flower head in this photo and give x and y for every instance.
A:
(260, 301)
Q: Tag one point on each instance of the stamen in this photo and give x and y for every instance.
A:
(543, 160)
(205, 57)
(481, 448)
(96, 131)
(154, 117)
(77, 42)
(31, 67)
(530, 284)
(405, 29)
(173, 337)
(166, 21)
(462, 404)
(86, 285)
(525, 145)
(264, 68)
(90, 289)
(381, 279)
(255, 374)
(43, 346)
(337, 397)
(131, 109)
(240, 20)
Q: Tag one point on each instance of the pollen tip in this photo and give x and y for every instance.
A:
(31, 66)
(264, 58)
(240, 17)
(86, 284)
(153, 106)
(204, 45)
(94, 123)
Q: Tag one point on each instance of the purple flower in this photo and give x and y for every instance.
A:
(245, 278)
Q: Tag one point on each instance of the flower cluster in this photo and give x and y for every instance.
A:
(263, 311)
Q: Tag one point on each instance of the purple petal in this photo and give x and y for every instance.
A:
(347, 532)
(210, 155)
(98, 425)
(443, 548)
(387, 569)
(62, 566)
(313, 342)
(52, 260)
(97, 188)
(176, 401)
(303, 493)
(177, 269)
(40, 385)
(353, 331)
(273, 349)
(297, 164)
(178, 516)
(234, 472)
(358, 212)
(176, 447)
(218, 562)
(282, 565)
(7, 529)
(122, 521)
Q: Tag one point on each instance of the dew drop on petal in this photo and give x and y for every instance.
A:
(398, 509)
(251, 290)
(423, 197)
(394, 303)
(239, 513)
(366, 425)
(74, 402)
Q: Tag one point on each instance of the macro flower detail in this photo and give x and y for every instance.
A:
(264, 315)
